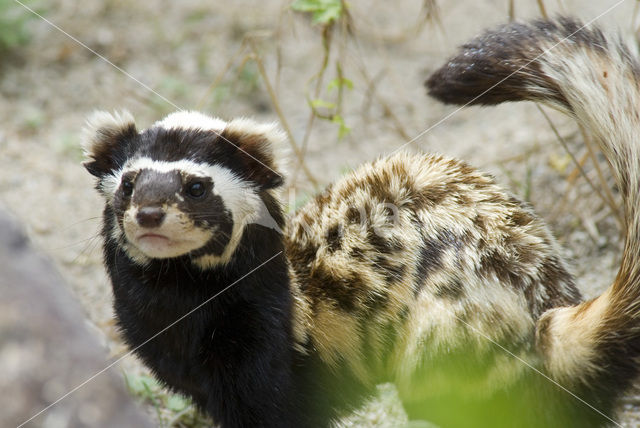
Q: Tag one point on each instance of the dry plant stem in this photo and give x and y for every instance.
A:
(229, 64)
(560, 207)
(347, 19)
(283, 119)
(319, 76)
(575, 172)
(367, 101)
(566, 147)
(543, 10)
(398, 126)
(611, 203)
(373, 93)
(516, 158)
(432, 14)
(278, 36)
(220, 76)
(429, 13)
(371, 89)
(341, 60)
(589, 225)
(512, 10)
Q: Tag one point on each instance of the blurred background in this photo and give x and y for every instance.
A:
(343, 79)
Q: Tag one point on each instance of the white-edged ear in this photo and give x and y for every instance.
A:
(104, 137)
(264, 148)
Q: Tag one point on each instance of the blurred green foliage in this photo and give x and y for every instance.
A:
(172, 410)
(322, 11)
(13, 26)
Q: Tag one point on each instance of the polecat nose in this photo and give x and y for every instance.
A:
(150, 216)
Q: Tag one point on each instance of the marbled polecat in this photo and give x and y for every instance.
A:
(415, 269)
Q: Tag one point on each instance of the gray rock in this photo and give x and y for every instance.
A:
(46, 350)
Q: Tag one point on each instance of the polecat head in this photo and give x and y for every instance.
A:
(187, 185)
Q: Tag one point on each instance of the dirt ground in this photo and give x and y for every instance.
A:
(123, 55)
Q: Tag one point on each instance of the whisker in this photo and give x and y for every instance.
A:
(85, 220)
(82, 241)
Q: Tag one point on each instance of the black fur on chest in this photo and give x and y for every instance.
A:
(233, 354)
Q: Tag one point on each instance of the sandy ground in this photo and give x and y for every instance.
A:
(178, 49)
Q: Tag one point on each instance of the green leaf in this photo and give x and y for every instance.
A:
(177, 403)
(323, 11)
(340, 81)
(306, 5)
(343, 129)
(318, 103)
(142, 385)
(328, 15)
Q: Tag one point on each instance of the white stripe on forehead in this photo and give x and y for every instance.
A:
(182, 165)
(191, 120)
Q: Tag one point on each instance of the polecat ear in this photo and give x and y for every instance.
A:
(260, 148)
(105, 138)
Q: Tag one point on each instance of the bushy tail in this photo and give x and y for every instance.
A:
(594, 78)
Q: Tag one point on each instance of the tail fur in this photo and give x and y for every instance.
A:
(593, 347)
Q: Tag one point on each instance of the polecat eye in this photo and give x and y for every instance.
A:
(127, 187)
(196, 190)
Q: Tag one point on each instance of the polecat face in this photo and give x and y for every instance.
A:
(188, 185)
(168, 209)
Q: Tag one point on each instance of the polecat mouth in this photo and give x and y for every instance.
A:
(153, 240)
(152, 236)
(162, 246)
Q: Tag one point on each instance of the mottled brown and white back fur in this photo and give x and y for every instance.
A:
(407, 258)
